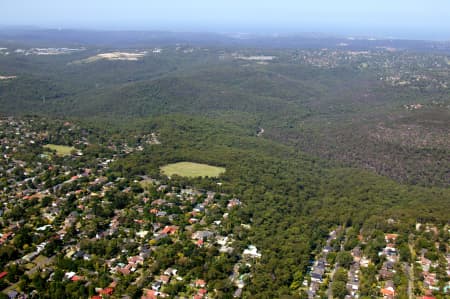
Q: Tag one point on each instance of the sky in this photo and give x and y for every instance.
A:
(385, 18)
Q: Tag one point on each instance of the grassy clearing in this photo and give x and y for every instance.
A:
(146, 184)
(61, 150)
(189, 169)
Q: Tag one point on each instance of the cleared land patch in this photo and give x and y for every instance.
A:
(121, 56)
(61, 150)
(189, 169)
(256, 58)
(47, 51)
(7, 77)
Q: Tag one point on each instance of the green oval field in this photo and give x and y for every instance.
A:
(61, 150)
(190, 169)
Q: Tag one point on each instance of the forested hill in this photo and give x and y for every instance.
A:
(383, 109)
(331, 156)
(292, 199)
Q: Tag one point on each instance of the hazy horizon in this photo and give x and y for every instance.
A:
(400, 19)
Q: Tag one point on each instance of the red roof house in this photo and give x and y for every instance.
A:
(77, 278)
(388, 292)
(106, 291)
(3, 274)
(170, 230)
(149, 294)
(200, 283)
